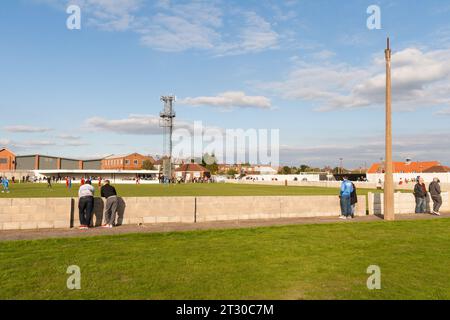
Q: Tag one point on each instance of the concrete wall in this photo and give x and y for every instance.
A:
(428, 177)
(47, 213)
(404, 203)
(244, 208)
(323, 184)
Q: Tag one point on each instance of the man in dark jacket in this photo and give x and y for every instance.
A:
(435, 192)
(420, 193)
(112, 204)
(353, 200)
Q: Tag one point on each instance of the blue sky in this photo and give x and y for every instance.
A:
(311, 69)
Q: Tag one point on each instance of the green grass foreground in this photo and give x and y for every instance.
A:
(37, 190)
(293, 262)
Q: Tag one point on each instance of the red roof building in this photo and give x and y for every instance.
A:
(437, 169)
(405, 167)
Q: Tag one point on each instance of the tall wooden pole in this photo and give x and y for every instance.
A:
(388, 176)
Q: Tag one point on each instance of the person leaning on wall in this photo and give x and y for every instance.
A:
(435, 192)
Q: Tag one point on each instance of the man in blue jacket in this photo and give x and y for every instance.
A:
(5, 184)
(345, 194)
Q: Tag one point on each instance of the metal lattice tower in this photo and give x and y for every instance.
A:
(166, 122)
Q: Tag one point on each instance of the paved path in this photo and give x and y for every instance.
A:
(173, 227)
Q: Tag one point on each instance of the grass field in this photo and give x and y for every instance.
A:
(292, 262)
(215, 189)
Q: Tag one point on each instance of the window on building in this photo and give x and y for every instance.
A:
(3, 160)
(127, 162)
(136, 162)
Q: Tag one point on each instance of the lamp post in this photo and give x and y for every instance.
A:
(388, 175)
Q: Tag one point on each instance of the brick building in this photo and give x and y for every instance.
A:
(7, 160)
(132, 161)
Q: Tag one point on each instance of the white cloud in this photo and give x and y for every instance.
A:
(422, 147)
(135, 124)
(26, 129)
(117, 15)
(171, 26)
(419, 79)
(230, 99)
(68, 137)
(255, 36)
(443, 112)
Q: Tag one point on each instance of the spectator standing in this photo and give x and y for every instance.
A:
(435, 192)
(49, 182)
(345, 194)
(353, 200)
(112, 203)
(420, 193)
(85, 204)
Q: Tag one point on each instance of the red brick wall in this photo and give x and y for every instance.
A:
(10, 159)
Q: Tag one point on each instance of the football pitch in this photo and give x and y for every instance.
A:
(40, 190)
(326, 261)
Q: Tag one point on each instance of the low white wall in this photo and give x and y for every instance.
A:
(404, 203)
(48, 213)
(428, 177)
(323, 184)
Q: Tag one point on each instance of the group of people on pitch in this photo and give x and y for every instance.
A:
(86, 204)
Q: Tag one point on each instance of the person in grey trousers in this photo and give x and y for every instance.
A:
(435, 192)
(112, 203)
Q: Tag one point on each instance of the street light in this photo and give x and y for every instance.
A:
(388, 175)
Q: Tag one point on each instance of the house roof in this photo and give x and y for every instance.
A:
(405, 167)
(7, 150)
(437, 169)
(191, 167)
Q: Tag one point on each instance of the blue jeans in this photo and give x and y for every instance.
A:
(420, 205)
(346, 207)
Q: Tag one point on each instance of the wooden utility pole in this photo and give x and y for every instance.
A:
(388, 175)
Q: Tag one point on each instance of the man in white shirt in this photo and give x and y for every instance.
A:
(86, 204)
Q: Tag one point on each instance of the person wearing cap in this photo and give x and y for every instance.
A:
(112, 204)
(435, 192)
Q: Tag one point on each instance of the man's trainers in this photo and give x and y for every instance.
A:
(108, 226)
(343, 217)
(349, 218)
(436, 213)
(83, 227)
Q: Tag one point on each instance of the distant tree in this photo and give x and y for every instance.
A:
(148, 165)
(304, 168)
(285, 170)
(210, 163)
(232, 172)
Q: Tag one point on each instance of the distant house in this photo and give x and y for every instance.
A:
(437, 169)
(190, 171)
(404, 167)
(409, 170)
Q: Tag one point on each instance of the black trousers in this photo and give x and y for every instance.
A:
(437, 202)
(85, 207)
